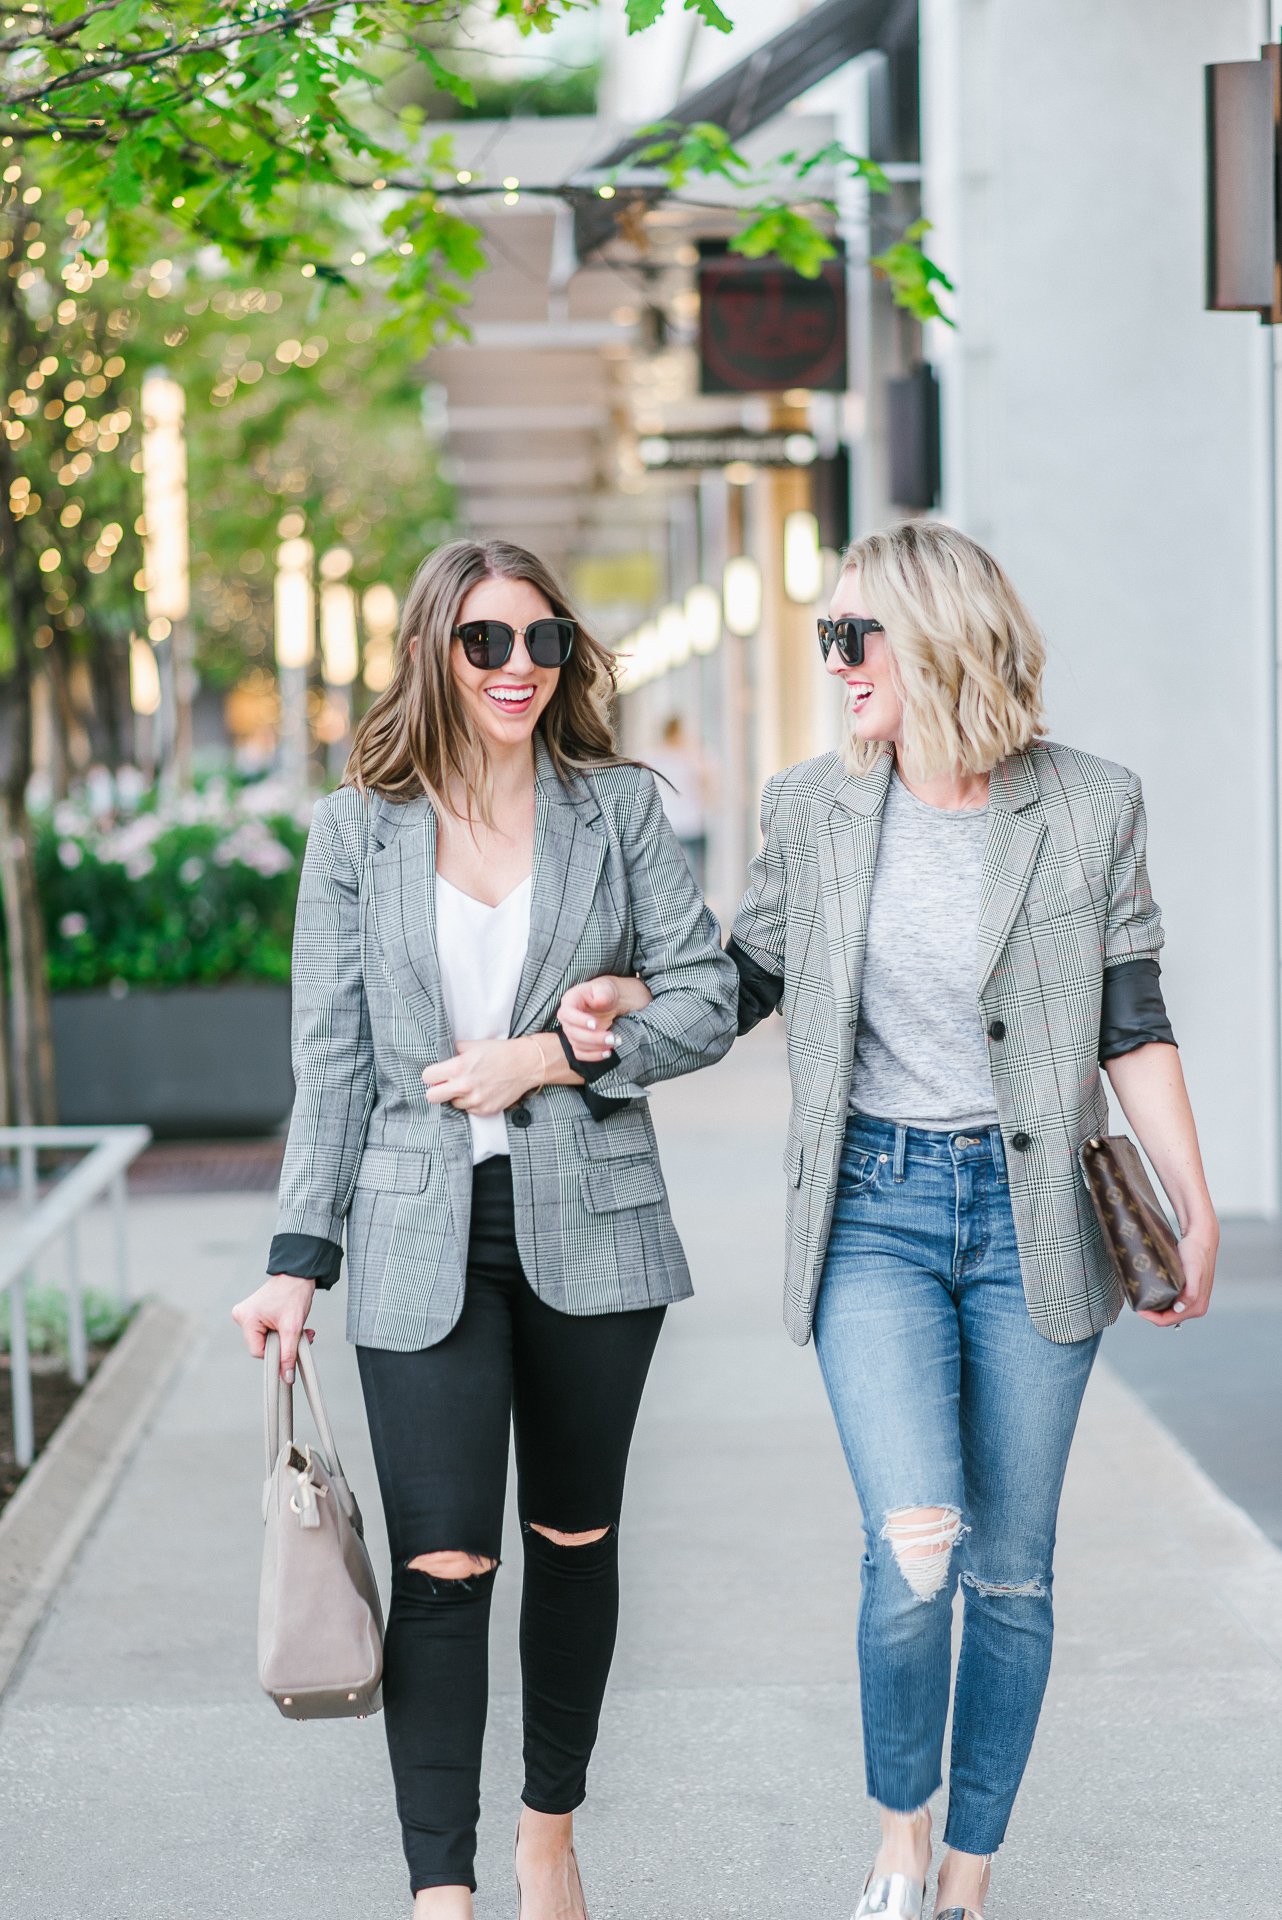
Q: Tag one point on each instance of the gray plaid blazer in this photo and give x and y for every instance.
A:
(612, 893)
(1064, 895)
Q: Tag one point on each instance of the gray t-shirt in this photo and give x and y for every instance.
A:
(921, 1057)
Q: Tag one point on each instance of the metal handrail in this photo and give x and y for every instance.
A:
(112, 1150)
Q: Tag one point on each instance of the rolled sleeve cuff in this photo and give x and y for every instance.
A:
(597, 1104)
(760, 992)
(306, 1257)
(1133, 1012)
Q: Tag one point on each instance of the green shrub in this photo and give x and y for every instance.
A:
(105, 1320)
(188, 891)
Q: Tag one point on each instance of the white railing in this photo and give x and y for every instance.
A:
(112, 1149)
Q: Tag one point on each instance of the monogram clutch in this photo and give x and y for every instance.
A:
(1136, 1232)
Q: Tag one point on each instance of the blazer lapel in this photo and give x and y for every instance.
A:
(1014, 835)
(568, 857)
(402, 873)
(846, 841)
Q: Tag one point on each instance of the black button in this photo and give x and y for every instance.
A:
(998, 1030)
(1021, 1142)
(521, 1116)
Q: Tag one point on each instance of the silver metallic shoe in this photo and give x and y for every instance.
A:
(891, 1896)
(962, 1913)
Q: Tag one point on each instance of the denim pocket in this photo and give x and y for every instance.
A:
(858, 1170)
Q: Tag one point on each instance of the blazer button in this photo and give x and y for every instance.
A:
(521, 1116)
(998, 1030)
(1021, 1142)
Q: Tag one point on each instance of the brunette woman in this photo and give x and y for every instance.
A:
(510, 1250)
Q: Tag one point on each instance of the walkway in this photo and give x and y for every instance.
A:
(142, 1775)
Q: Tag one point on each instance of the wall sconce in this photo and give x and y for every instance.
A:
(741, 596)
(674, 637)
(803, 567)
(703, 618)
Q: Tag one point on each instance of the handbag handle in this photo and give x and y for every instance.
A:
(278, 1416)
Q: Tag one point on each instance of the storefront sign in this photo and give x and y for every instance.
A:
(725, 449)
(764, 329)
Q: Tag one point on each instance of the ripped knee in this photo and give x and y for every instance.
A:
(922, 1540)
(451, 1565)
(558, 1539)
(994, 1590)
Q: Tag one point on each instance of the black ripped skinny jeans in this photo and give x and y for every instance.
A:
(439, 1419)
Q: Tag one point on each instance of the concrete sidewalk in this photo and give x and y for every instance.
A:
(142, 1774)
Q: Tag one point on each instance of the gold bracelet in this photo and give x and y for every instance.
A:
(544, 1075)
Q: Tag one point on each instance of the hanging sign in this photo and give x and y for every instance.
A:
(764, 328)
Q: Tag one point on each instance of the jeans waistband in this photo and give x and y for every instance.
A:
(900, 1144)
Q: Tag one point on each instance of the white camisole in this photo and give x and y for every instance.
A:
(481, 951)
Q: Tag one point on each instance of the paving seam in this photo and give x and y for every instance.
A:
(49, 1517)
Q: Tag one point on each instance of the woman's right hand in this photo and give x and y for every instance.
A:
(282, 1304)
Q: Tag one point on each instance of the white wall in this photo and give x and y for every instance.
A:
(1112, 443)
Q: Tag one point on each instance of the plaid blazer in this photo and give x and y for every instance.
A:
(1064, 894)
(612, 893)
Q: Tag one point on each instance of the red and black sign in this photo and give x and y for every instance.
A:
(763, 328)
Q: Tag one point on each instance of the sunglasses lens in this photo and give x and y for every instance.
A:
(487, 643)
(549, 642)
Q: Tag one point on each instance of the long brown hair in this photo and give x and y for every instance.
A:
(418, 736)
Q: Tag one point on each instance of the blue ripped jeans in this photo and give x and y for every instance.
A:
(945, 1397)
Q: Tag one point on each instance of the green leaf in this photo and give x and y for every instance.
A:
(463, 90)
(711, 14)
(642, 14)
(912, 275)
(790, 236)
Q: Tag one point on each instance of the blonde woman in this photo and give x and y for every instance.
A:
(510, 1250)
(956, 916)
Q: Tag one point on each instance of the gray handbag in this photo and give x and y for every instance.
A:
(320, 1623)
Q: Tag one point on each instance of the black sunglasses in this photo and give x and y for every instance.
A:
(488, 644)
(849, 636)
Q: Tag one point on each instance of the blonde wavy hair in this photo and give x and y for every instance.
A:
(418, 738)
(966, 655)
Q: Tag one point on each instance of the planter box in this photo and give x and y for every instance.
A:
(193, 1062)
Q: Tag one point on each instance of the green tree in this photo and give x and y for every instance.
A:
(249, 130)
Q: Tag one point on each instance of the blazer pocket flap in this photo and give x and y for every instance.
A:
(622, 1134)
(385, 1170)
(1048, 906)
(608, 1187)
(793, 1159)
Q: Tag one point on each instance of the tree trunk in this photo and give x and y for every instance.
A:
(31, 1029)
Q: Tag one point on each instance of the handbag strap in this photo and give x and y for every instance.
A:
(278, 1407)
(316, 1401)
(278, 1420)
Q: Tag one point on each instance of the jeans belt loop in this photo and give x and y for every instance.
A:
(998, 1152)
(901, 1148)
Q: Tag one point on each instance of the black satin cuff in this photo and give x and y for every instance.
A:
(307, 1257)
(1133, 1012)
(759, 992)
(597, 1104)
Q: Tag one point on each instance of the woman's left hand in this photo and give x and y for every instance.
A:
(1198, 1249)
(488, 1076)
(588, 1011)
